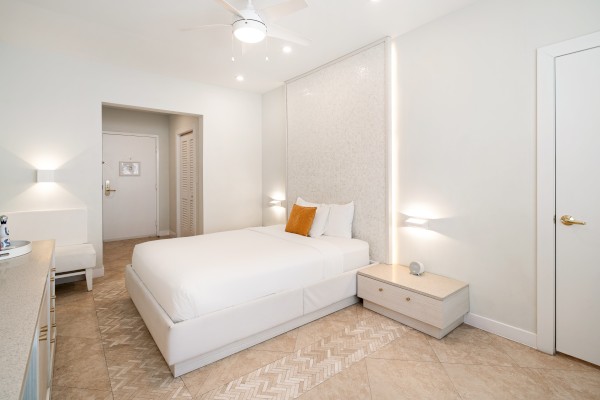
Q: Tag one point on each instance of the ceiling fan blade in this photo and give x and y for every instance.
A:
(282, 9)
(230, 8)
(211, 26)
(278, 32)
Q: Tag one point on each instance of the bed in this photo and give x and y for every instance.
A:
(247, 286)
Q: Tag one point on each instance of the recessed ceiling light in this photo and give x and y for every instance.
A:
(287, 49)
(239, 78)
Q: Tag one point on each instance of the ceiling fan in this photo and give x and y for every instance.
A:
(251, 25)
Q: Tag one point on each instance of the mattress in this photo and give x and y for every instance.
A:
(355, 252)
(197, 275)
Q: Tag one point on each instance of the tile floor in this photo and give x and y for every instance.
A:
(104, 351)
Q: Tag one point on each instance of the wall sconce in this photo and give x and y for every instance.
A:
(417, 222)
(276, 203)
(45, 175)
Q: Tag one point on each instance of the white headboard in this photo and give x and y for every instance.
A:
(337, 141)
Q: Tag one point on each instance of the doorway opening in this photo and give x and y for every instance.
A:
(139, 182)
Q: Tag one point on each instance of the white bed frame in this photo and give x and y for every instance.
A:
(194, 343)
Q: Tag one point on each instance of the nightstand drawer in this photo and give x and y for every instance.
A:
(403, 301)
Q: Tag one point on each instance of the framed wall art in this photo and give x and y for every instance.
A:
(129, 168)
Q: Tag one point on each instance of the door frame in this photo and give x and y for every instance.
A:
(178, 183)
(157, 153)
(546, 184)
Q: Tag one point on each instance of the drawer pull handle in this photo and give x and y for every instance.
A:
(408, 299)
(381, 289)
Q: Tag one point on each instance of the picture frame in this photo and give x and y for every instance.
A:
(129, 168)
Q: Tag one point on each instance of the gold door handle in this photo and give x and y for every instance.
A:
(107, 188)
(568, 220)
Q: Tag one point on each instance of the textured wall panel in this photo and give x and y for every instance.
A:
(337, 141)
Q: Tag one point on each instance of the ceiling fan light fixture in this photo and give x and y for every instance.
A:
(249, 30)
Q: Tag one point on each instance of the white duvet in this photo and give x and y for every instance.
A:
(196, 275)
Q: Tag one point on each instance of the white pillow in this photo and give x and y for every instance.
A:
(340, 220)
(320, 222)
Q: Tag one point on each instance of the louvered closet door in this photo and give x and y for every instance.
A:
(187, 185)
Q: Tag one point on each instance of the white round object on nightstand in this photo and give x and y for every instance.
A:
(416, 268)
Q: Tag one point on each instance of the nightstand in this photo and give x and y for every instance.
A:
(430, 303)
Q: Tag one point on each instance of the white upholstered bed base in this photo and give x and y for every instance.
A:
(194, 343)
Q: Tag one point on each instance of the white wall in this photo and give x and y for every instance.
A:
(179, 124)
(466, 122)
(150, 123)
(273, 155)
(50, 117)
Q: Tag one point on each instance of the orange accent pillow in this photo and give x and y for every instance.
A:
(301, 219)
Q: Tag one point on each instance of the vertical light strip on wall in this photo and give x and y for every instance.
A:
(394, 151)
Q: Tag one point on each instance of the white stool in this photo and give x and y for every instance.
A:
(75, 259)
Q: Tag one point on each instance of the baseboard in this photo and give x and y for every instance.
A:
(501, 329)
(165, 232)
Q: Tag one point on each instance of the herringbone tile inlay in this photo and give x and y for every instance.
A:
(301, 371)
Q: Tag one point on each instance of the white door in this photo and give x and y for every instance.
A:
(129, 186)
(578, 196)
(187, 184)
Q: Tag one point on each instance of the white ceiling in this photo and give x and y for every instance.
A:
(147, 34)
